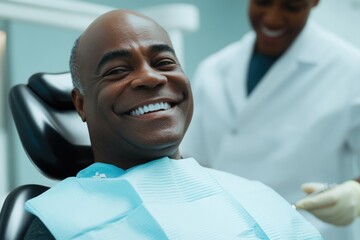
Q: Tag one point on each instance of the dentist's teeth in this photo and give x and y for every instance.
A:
(150, 108)
(272, 33)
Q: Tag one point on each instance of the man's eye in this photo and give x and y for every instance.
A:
(116, 71)
(165, 63)
(293, 8)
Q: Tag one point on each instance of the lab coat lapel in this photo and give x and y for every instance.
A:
(274, 79)
(235, 86)
(299, 57)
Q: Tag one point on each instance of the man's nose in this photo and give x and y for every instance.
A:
(273, 18)
(148, 78)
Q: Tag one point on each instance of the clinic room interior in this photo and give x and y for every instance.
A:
(37, 36)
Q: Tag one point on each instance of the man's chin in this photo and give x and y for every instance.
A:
(158, 149)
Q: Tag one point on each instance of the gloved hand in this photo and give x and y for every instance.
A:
(339, 205)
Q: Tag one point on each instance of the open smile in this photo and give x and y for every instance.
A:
(272, 33)
(149, 108)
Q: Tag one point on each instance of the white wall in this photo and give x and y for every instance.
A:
(3, 147)
(3, 168)
(341, 17)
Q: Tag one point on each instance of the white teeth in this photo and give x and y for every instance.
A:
(150, 108)
(272, 33)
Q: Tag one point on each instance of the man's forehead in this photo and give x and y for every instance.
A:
(124, 20)
(123, 25)
(116, 31)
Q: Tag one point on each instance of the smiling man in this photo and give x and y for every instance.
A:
(137, 103)
(131, 80)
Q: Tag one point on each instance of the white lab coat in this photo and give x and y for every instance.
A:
(300, 124)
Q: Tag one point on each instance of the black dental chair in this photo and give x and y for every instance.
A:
(53, 136)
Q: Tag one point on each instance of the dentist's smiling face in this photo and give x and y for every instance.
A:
(277, 23)
(137, 100)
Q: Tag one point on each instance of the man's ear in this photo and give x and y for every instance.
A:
(78, 101)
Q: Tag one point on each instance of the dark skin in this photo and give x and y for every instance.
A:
(127, 66)
(278, 23)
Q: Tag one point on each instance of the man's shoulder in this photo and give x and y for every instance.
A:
(229, 181)
(38, 231)
(332, 43)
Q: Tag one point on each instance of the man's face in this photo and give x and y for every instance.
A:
(137, 101)
(277, 23)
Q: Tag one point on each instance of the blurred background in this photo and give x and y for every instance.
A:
(37, 36)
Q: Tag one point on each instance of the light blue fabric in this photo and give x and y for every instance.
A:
(166, 199)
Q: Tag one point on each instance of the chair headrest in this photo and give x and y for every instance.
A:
(53, 88)
(51, 132)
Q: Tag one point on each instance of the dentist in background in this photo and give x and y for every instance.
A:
(282, 106)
